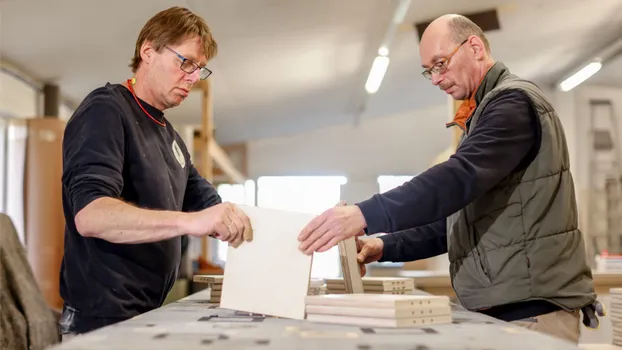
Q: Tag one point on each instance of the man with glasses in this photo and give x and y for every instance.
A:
(130, 190)
(503, 206)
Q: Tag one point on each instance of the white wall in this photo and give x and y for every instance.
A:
(403, 144)
(582, 142)
(17, 99)
(65, 112)
(574, 110)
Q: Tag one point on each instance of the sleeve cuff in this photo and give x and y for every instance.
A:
(390, 251)
(374, 216)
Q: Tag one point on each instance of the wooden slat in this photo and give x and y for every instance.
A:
(207, 135)
(220, 157)
(209, 149)
(202, 85)
(207, 130)
(350, 266)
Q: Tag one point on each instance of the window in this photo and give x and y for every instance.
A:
(15, 163)
(3, 168)
(308, 194)
(389, 182)
(238, 193)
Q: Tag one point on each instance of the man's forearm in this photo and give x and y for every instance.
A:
(118, 222)
(416, 243)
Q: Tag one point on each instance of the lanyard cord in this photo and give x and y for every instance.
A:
(130, 82)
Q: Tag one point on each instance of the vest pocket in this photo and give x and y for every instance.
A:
(468, 276)
(470, 282)
(481, 261)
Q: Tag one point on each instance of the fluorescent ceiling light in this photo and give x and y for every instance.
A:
(378, 68)
(582, 75)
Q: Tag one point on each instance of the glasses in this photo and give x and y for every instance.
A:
(441, 66)
(190, 66)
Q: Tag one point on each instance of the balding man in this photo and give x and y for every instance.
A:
(503, 206)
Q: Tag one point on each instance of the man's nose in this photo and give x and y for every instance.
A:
(194, 77)
(436, 79)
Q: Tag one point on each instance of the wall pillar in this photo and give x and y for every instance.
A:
(51, 101)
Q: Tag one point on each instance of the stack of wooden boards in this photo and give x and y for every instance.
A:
(316, 286)
(214, 283)
(375, 285)
(379, 310)
(616, 315)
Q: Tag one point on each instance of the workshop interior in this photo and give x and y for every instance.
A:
(312, 106)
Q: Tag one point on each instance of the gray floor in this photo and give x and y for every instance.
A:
(192, 323)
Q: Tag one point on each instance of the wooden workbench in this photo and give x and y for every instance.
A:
(193, 323)
(438, 282)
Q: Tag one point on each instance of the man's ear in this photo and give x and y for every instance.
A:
(147, 52)
(476, 45)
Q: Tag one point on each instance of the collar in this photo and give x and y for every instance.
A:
(488, 82)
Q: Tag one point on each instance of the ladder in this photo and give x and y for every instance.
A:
(604, 179)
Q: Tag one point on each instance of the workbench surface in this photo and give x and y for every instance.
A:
(192, 323)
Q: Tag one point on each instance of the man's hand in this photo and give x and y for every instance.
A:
(224, 221)
(331, 227)
(369, 250)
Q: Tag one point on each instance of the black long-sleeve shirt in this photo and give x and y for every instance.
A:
(111, 148)
(506, 139)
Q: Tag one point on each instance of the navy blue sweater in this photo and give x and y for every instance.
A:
(507, 139)
(110, 151)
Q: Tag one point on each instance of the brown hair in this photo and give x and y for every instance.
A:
(461, 28)
(170, 27)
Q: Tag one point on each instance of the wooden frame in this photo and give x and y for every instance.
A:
(210, 151)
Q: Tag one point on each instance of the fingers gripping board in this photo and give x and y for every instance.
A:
(269, 275)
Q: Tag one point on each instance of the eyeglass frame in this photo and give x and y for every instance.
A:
(440, 66)
(194, 64)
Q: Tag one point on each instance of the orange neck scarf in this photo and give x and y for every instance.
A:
(466, 109)
(463, 113)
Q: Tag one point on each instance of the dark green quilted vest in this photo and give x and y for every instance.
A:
(520, 240)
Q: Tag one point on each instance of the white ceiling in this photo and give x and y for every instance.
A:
(292, 65)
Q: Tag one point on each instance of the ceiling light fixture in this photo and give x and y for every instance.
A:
(381, 62)
(591, 67)
(580, 76)
(376, 74)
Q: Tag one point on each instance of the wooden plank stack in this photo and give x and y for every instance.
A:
(379, 310)
(616, 315)
(214, 283)
(375, 285)
(316, 287)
